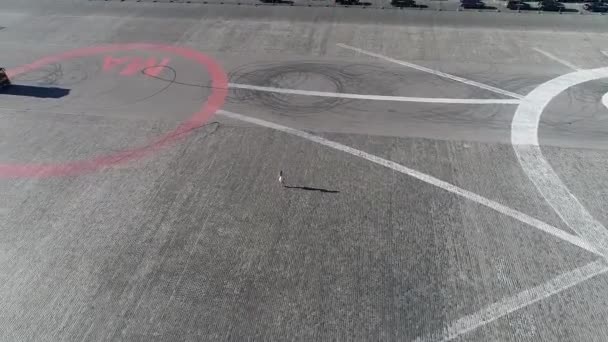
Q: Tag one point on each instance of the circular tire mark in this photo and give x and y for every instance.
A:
(219, 82)
(524, 138)
(291, 75)
(320, 76)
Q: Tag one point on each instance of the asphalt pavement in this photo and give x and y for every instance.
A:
(444, 173)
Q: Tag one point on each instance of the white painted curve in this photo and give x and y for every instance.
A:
(524, 137)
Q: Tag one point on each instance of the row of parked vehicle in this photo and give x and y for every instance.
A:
(552, 5)
(543, 5)
(396, 3)
(546, 5)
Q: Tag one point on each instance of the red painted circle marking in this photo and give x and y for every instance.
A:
(219, 86)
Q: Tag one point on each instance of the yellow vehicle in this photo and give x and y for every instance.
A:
(4, 81)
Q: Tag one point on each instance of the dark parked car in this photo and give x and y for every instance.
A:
(472, 4)
(517, 5)
(551, 6)
(403, 3)
(4, 81)
(596, 7)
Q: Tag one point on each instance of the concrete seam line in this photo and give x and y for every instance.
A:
(434, 72)
(518, 301)
(372, 97)
(557, 59)
(184, 269)
(540, 225)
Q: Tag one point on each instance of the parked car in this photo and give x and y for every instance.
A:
(517, 5)
(472, 4)
(551, 5)
(4, 81)
(404, 3)
(596, 7)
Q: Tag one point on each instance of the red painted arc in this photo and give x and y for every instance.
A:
(219, 83)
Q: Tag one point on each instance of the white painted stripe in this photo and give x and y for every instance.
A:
(434, 72)
(525, 298)
(605, 100)
(557, 59)
(372, 97)
(524, 137)
(605, 52)
(560, 234)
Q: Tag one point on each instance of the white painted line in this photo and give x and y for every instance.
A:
(372, 97)
(525, 298)
(434, 72)
(605, 100)
(540, 225)
(605, 52)
(557, 59)
(524, 137)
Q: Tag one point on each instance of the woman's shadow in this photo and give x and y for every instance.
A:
(308, 188)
